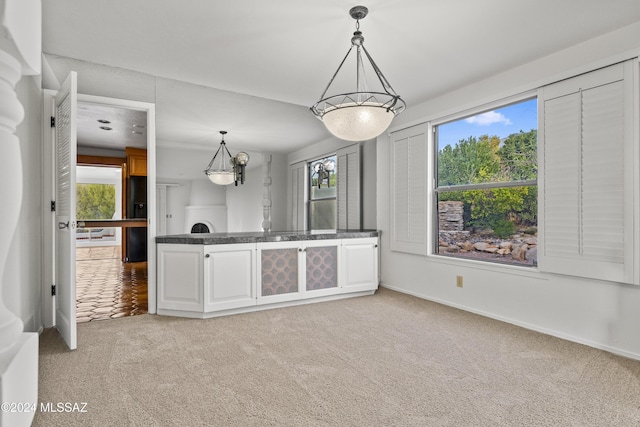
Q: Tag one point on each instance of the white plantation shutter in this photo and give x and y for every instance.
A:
(561, 169)
(348, 187)
(409, 190)
(588, 155)
(297, 176)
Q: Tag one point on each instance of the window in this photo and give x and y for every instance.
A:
(486, 196)
(323, 193)
(98, 197)
(331, 201)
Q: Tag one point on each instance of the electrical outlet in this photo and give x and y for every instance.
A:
(459, 281)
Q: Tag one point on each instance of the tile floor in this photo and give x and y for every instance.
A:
(107, 288)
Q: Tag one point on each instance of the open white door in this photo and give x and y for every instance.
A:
(65, 112)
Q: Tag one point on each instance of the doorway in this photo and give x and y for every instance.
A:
(52, 262)
(106, 286)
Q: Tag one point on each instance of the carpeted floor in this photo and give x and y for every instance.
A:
(384, 360)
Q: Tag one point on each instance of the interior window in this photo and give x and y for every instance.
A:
(97, 197)
(486, 185)
(322, 193)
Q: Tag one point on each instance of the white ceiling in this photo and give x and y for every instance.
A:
(287, 50)
(100, 125)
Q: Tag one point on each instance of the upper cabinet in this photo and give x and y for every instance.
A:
(136, 161)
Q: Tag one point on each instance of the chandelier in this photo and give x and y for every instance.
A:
(363, 114)
(230, 169)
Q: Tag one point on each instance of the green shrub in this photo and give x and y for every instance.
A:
(503, 228)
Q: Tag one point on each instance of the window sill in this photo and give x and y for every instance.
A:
(533, 272)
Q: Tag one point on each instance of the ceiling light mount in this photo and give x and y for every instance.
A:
(363, 114)
(358, 12)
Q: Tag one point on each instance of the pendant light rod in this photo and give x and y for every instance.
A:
(222, 145)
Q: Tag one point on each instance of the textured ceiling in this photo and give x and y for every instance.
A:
(281, 54)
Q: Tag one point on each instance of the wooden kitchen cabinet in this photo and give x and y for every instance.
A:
(136, 161)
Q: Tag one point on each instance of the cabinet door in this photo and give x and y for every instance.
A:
(138, 166)
(359, 264)
(229, 276)
(180, 277)
(136, 161)
(279, 272)
(321, 266)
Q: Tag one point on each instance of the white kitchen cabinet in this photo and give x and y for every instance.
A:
(229, 276)
(180, 269)
(202, 279)
(359, 264)
(321, 266)
(297, 270)
(280, 272)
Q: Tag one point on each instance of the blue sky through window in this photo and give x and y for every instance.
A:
(501, 122)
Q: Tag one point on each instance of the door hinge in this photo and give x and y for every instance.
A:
(53, 206)
(53, 122)
(53, 290)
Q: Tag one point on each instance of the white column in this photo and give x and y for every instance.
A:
(11, 113)
(20, 53)
(266, 192)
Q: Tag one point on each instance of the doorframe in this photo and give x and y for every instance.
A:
(48, 194)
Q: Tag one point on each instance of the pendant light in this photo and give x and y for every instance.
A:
(363, 114)
(230, 169)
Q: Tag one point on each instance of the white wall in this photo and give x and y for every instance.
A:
(22, 274)
(279, 173)
(101, 80)
(178, 196)
(204, 193)
(601, 314)
(244, 203)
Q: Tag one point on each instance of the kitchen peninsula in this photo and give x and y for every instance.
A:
(207, 275)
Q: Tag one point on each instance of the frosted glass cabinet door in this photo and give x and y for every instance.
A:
(279, 274)
(229, 276)
(321, 262)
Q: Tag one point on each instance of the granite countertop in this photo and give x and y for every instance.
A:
(258, 236)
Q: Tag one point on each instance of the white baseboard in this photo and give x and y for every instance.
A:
(32, 323)
(252, 308)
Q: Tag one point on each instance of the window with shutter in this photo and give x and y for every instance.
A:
(325, 193)
(589, 187)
